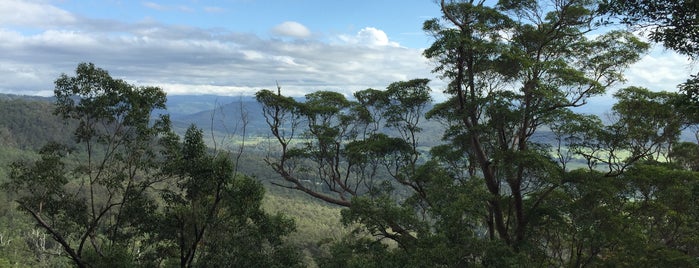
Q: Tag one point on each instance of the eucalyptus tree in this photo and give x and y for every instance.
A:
(93, 196)
(513, 69)
(212, 215)
(333, 149)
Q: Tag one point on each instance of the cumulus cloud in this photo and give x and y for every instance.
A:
(369, 36)
(291, 29)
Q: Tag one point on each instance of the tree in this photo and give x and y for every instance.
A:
(686, 155)
(341, 154)
(644, 125)
(96, 208)
(551, 65)
(664, 208)
(340, 135)
(651, 119)
(212, 215)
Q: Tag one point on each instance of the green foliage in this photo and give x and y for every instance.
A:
(92, 205)
(505, 89)
(115, 197)
(686, 155)
(128, 192)
(361, 252)
(212, 216)
(318, 224)
(117, 256)
(28, 124)
(334, 156)
(648, 117)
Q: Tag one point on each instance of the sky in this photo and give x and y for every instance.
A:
(237, 47)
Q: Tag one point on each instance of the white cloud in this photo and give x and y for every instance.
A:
(189, 60)
(660, 70)
(29, 79)
(184, 89)
(292, 29)
(64, 40)
(369, 36)
(33, 14)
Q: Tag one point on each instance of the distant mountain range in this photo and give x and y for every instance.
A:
(222, 114)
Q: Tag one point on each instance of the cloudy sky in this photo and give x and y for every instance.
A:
(236, 47)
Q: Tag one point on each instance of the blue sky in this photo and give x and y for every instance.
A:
(237, 47)
(402, 20)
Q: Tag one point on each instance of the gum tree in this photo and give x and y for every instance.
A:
(333, 149)
(513, 69)
(92, 196)
(212, 215)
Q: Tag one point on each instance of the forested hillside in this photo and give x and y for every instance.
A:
(28, 123)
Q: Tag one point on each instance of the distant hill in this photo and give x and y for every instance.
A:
(224, 117)
(220, 113)
(4, 96)
(28, 122)
(180, 105)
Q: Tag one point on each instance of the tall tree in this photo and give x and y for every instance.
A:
(675, 24)
(212, 216)
(96, 208)
(333, 148)
(511, 75)
(334, 136)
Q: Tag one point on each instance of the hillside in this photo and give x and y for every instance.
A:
(28, 122)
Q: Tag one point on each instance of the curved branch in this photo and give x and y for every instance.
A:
(56, 236)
